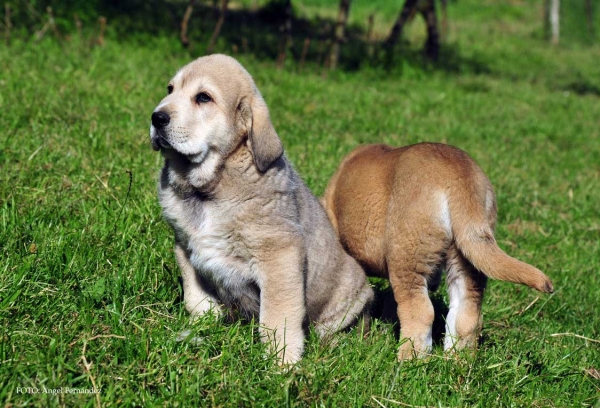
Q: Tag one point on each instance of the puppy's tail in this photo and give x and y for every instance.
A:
(474, 238)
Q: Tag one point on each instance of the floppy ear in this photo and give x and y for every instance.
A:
(264, 142)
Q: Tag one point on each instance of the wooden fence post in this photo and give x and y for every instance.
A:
(285, 41)
(185, 41)
(7, 23)
(555, 20)
(213, 39)
(338, 33)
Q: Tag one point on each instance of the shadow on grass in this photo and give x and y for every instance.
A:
(582, 87)
(254, 31)
(258, 32)
(385, 307)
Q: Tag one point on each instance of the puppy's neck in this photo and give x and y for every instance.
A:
(240, 161)
(214, 177)
(187, 178)
(240, 175)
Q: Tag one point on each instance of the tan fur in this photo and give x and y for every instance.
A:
(403, 213)
(249, 234)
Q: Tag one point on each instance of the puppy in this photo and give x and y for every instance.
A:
(406, 213)
(249, 235)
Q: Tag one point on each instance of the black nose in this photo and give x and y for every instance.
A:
(160, 119)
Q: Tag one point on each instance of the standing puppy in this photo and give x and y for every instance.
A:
(404, 214)
(249, 234)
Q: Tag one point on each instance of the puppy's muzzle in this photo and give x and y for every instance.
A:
(159, 121)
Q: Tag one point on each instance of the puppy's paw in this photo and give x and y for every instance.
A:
(453, 344)
(205, 308)
(286, 346)
(186, 336)
(288, 355)
(409, 350)
(406, 353)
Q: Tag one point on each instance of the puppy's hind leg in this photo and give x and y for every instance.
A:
(411, 264)
(466, 286)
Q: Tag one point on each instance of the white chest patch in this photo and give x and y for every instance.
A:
(214, 244)
(216, 251)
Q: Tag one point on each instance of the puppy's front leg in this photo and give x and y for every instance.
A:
(282, 303)
(197, 300)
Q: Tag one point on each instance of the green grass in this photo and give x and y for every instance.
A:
(87, 272)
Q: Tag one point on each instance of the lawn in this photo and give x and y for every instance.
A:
(89, 288)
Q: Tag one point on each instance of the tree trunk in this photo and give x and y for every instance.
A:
(102, 23)
(432, 46)
(589, 11)
(52, 22)
(370, 24)
(78, 26)
(213, 39)
(7, 23)
(555, 20)
(303, 54)
(396, 32)
(185, 41)
(444, 20)
(427, 10)
(546, 5)
(285, 41)
(338, 34)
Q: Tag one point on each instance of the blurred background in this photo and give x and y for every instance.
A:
(331, 33)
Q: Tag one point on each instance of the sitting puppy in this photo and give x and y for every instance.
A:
(404, 214)
(249, 234)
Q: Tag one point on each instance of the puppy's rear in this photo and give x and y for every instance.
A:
(405, 212)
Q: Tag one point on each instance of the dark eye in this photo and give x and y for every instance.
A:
(203, 97)
(169, 89)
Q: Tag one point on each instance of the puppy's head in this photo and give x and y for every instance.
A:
(212, 105)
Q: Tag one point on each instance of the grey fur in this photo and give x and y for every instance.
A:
(249, 234)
